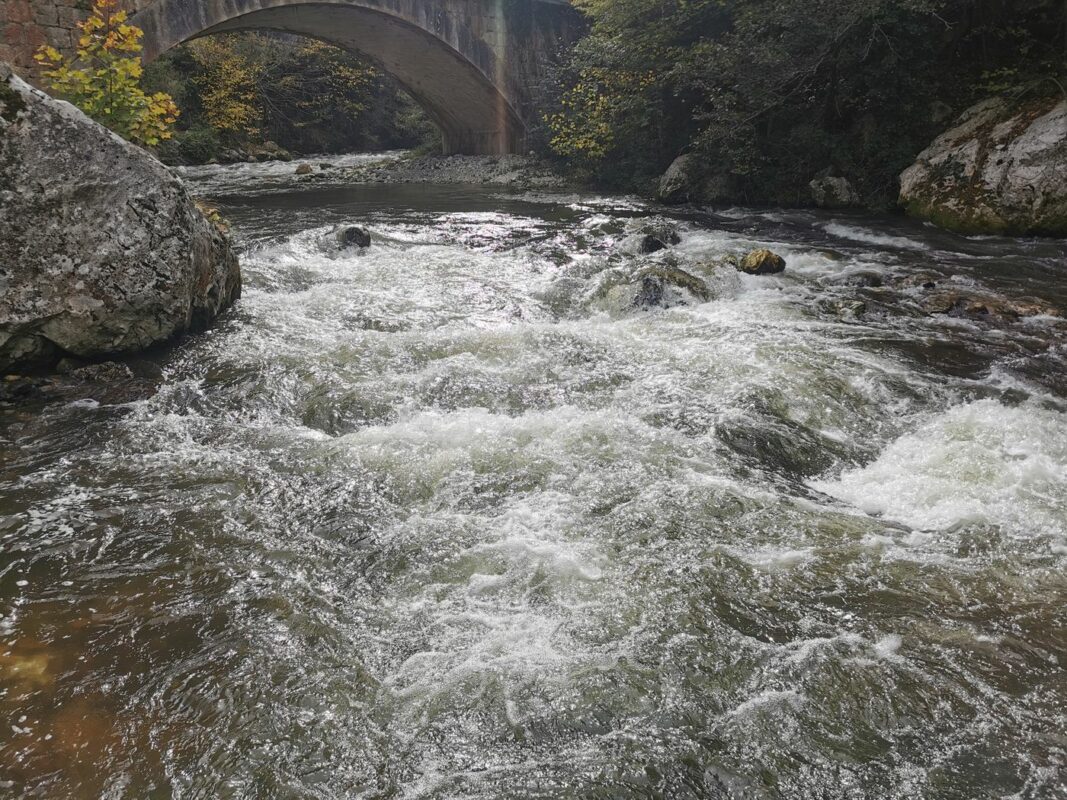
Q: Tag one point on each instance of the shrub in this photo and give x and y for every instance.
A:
(103, 80)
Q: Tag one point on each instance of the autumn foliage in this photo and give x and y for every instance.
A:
(104, 78)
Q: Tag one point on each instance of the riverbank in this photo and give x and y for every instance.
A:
(523, 172)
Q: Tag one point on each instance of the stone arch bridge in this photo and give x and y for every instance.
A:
(474, 65)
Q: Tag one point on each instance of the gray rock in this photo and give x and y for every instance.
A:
(652, 284)
(676, 185)
(656, 238)
(622, 291)
(833, 192)
(353, 236)
(1001, 169)
(102, 250)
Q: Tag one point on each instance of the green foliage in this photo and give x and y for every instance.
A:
(772, 92)
(304, 95)
(104, 78)
(195, 146)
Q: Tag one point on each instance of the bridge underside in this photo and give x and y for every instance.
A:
(474, 115)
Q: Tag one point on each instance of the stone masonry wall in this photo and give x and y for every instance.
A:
(25, 25)
(28, 24)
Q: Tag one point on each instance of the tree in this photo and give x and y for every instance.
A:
(767, 94)
(229, 81)
(103, 80)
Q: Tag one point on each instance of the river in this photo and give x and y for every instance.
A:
(434, 520)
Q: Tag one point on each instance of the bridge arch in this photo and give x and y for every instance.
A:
(450, 55)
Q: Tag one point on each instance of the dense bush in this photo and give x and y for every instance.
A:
(196, 146)
(772, 92)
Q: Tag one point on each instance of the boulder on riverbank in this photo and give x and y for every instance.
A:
(102, 249)
(678, 183)
(833, 191)
(1002, 168)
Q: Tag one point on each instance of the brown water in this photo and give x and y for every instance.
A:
(438, 520)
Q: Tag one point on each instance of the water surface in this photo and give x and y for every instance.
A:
(434, 520)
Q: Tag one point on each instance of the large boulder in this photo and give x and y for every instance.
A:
(677, 184)
(102, 250)
(1001, 169)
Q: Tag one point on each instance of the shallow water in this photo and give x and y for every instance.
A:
(433, 520)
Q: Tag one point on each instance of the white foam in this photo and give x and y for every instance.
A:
(980, 462)
(868, 236)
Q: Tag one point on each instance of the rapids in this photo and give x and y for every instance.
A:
(431, 521)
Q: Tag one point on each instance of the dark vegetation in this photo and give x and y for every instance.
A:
(770, 93)
(239, 92)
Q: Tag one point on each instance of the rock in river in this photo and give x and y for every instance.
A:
(654, 286)
(353, 236)
(1001, 169)
(102, 250)
(762, 262)
(653, 282)
(658, 237)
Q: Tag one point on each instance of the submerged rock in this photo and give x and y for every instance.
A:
(984, 307)
(762, 262)
(303, 169)
(102, 250)
(353, 236)
(105, 382)
(850, 309)
(917, 280)
(1001, 169)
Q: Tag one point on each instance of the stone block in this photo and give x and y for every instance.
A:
(13, 34)
(18, 11)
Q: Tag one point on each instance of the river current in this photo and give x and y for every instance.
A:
(434, 520)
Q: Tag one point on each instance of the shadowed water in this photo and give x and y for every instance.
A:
(433, 520)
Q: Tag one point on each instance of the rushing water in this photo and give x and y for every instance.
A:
(434, 521)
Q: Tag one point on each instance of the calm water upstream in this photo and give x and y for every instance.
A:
(434, 520)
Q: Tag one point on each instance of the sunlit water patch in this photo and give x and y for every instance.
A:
(432, 520)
